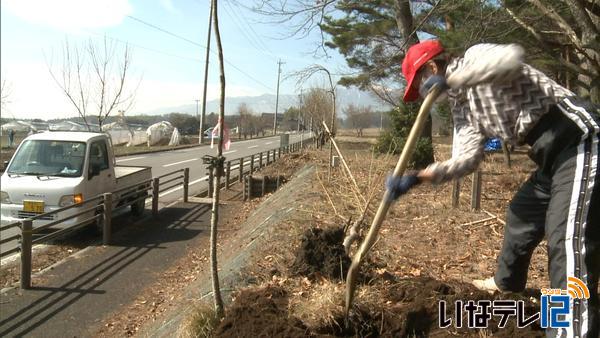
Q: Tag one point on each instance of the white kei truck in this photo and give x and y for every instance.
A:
(52, 170)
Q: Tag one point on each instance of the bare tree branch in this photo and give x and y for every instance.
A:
(578, 8)
(90, 72)
(543, 43)
(5, 92)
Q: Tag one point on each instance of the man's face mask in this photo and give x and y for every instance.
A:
(428, 81)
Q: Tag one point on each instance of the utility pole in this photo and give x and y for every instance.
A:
(279, 63)
(300, 112)
(201, 139)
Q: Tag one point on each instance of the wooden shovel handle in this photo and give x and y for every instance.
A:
(385, 204)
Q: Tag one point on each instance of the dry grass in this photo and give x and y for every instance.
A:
(317, 305)
(200, 322)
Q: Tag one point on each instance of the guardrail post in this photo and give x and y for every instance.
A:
(26, 228)
(251, 164)
(227, 174)
(244, 180)
(186, 184)
(241, 169)
(268, 157)
(107, 218)
(476, 191)
(279, 153)
(155, 189)
(260, 161)
(455, 193)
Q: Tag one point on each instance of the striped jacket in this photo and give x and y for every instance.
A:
(493, 94)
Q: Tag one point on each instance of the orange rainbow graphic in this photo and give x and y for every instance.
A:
(577, 289)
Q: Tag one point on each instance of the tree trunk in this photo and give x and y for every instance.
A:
(590, 26)
(218, 300)
(404, 20)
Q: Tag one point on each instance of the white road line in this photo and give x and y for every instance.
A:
(229, 152)
(180, 162)
(205, 178)
(170, 191)
(130, 159)
(268, 142)
(252, 147)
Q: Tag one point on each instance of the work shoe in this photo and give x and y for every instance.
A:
(488, 285)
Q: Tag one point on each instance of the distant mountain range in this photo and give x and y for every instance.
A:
(266, 103)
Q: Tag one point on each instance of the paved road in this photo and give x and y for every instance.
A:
(165, 162)
(169, 161)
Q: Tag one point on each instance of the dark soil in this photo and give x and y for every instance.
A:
(413, 313)
(321, 254)
(260, 312)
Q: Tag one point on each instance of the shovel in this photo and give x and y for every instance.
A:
(407, 152)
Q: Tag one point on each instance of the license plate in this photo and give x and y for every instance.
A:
(34, 206)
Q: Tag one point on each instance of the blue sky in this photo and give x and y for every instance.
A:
(169, 69)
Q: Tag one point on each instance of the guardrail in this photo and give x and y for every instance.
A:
(254, 161)
(100, 208)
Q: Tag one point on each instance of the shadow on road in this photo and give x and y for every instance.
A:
(82, 288)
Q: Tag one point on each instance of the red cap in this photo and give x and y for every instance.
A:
(417, 56)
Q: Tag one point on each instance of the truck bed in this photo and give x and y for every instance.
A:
(129, 175)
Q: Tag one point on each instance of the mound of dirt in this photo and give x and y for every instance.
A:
(407, 308)
(321, 254)
(260, 312)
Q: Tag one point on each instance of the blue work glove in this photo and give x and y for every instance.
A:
(430, 82)
(398, 186)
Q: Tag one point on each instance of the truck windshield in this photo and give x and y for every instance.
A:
(48, 158)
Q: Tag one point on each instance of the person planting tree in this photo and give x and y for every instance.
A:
(493, 93)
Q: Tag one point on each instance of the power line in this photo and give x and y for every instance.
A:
(237, 22)
(127, 43)
(259, 38)
(252, 33)
(199, 45)
(166, 31)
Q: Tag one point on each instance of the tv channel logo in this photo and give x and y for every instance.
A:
(556, 304)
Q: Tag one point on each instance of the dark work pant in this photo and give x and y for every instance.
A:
(561, 202)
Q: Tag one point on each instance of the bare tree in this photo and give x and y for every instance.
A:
(317, 104)
(359, 117)
(244, 120)
(214, 222)
(5, 92)
(95, 79)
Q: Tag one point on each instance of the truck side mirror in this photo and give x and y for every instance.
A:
(5, 164)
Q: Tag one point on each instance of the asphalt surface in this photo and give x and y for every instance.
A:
(168, 161)
(73, 298)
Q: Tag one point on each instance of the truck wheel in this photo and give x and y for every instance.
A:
(137, 208)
